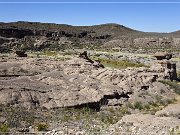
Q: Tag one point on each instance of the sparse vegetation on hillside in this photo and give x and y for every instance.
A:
(173, 84)
(17, 117)
(85, 118)
(92, 120)
(151, 107)
(62, 36)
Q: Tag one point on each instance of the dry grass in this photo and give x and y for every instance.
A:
(119, 63)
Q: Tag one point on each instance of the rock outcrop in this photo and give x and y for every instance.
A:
(21, 53)
(46, 83)
(97, 64)
(162, 55)
(165, 66)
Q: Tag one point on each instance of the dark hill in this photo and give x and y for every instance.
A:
(111, 29)
(39, 36)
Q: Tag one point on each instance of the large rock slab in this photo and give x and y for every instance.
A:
(47, 83)
(163, 55)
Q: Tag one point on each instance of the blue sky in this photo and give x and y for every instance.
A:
(151, 17)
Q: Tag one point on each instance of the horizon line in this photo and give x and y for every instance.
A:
(89, 25)
(90, 2)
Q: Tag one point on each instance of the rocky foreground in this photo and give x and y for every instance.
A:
(47, 84)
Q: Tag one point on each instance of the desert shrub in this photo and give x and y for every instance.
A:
(169, 101)
(152, 106)
(147, 106)
(5, 50)
(50, 53)
(124, 110)
(90, 117)
(67, 53)
(109, 119)
(73, 114)
(15, 115)
(138, 105)
(158, 98)
(46, 53)
(130, 105)
(97, 55)
(4, 128)
(42, 127)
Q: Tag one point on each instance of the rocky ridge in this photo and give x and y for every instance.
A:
(40, 36)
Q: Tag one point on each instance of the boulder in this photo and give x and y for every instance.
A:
(2, 120)
(166, 69)
(20, 53)
(163, 55)
(97, 64)
(84, 55)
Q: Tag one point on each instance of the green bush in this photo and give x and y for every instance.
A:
(42, 127)
(109, 119)
(119, 63)
(47, 53)
(138, 105)
(4, 128)
(147, 106)
(125, 111)
(152, 106)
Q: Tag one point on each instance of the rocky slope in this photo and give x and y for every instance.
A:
(39, 36)
(62, 94)
(146, 124)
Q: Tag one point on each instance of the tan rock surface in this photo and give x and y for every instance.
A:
(46, 83)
